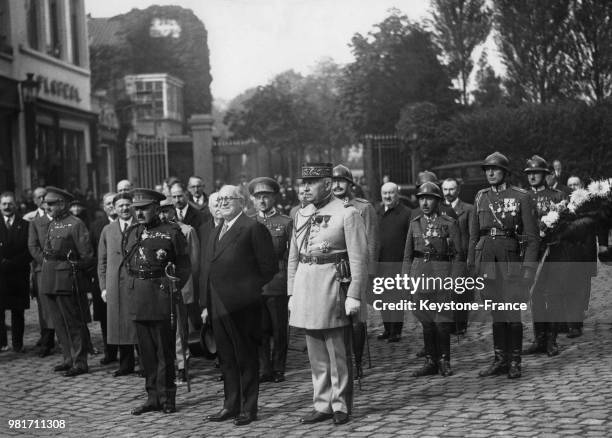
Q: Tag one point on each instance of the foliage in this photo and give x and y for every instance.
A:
(533, 41)
(459, 27)
(488, 90)
(394, 65)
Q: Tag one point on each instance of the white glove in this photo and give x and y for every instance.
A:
(204, 315)
(104, 295)
(351, 306)
(290, 304)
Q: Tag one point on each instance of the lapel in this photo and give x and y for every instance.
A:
(459, 209)
(229, 237)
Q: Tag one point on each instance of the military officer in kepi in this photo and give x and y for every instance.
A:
(151, 250)
(67, 253)
(433, 250)
(547, 300)
(275, 315)
(342, 189)
(327, 273)
(503, 250)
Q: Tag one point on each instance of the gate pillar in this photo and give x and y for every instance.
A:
(201, 129)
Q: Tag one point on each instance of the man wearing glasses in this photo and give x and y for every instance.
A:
(196, 191)
(327, 276)
(239, 261)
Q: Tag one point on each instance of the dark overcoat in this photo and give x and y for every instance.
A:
(14, 265)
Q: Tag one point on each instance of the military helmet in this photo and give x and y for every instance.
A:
(429, 188)
(537, 164)
(496, 159)
(426, 176)
(343, 172)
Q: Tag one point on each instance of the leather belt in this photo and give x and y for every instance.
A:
(324, 258)
(145, 275)
(55, 257)
(497, 232)
(431, 256)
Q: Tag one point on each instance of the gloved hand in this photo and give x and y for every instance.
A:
(351, 306)
(290, 304)
(103, 295)
(205, 315)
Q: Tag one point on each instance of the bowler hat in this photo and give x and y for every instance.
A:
(207, 342)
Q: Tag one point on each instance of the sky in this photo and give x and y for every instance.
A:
(251, 41)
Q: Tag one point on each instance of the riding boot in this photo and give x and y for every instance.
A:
(515, 333)
(514, 370)
(359, 339)
(430, 366)
(443, 337)
(539, 341)
(500, 363)
(552, 349)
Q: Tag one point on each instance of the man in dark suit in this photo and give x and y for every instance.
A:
(239, 260)
(100, 312)
(198, 197)
(14, 271)
(464, 211)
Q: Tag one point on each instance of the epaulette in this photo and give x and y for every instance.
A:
(447, 218)
(416, 218)
(520, 190)
(479, 194)
(363, 201)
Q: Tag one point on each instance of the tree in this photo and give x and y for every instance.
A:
(395, 65)
(488, 90)
(459, 27)
(532, 36)
(591, 47)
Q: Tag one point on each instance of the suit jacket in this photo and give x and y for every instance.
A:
(14, 265)
(237, 266)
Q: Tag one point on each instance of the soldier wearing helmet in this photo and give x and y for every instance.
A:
(342, 186)
(503, 250)
(546, 301)
(433, 249)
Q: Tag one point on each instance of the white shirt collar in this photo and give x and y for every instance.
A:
(230, 223)
(123, 222)
(454, 203)
(40, 212)
(183, 210)
(9, 219)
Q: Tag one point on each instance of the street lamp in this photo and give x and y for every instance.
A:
(30, 89)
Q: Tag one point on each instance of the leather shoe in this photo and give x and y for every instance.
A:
(75, 372)
(144, 409)
(222, 415)
(106, 360)
(44, 352)
(383, 336)
(244, 419)
(62, 367)
(340, 418)
(316, 417)
(120, 372)
(279, 377)
(266, 378)
(169, 408)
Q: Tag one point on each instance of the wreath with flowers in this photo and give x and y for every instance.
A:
(586, 208)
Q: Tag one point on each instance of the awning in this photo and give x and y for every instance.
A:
(9, 96)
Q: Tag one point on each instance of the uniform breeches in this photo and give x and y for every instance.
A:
(71, 329)
(237, 348)
(436, 325)
(329, 352)
(275, 317)
(156, 350)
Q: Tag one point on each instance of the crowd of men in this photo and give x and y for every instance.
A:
(162, 263)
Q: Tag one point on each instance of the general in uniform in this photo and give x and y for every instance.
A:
(503, 250)
(327, 273)
(67, 243)
(275, 315)
(547, 298)
(433, 250)
(148, 248)
(343, 190)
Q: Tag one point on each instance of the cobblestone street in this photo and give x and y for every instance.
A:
(569, 395)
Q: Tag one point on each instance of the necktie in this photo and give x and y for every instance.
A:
(125, 225)
(223, 230)
(180, 215)
(8, 224)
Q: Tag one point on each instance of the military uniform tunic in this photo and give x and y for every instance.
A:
(68, 238)
(275, 315)
(147, 251)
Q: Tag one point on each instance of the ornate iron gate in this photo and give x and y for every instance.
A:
(147, 161)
